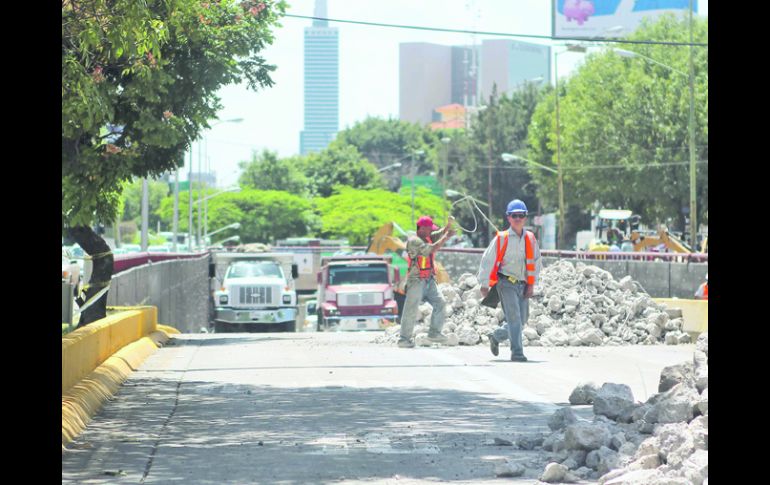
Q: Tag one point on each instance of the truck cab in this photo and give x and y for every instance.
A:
(356, 293)
(255, 291)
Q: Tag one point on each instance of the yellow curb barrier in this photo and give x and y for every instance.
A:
(98, 358)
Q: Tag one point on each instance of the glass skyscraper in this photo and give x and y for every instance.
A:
(321, 83)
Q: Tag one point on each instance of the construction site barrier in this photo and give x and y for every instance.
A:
(97, 358)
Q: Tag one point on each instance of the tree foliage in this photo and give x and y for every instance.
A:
(139, 82)
(499, 128)
(265, 215)
(339, 165)
(624, 128)
(357, 214)
(266, 171)
(132, 201)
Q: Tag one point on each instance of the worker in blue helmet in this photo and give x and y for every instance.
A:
(511, 266)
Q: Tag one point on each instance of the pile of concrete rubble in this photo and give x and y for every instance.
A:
(661, 441)
(575, 305)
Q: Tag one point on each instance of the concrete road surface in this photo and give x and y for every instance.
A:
(336, 408)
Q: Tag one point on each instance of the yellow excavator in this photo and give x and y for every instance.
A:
(618, 221)
(383, 241)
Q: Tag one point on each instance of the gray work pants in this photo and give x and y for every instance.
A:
(516, 309)
(416, 291)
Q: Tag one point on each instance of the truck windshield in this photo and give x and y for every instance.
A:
(246, 270)
(358, 275)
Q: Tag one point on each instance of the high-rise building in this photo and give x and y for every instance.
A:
(510, 63)
(425, 80)
(321, 83)
(433, 75)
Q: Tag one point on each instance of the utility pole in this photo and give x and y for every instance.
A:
(489, 190)
(176, 209)
(693, 179)
(145, 213)
(189, 202)
(200, 196)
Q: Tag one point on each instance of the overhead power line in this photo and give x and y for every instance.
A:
(498, 34)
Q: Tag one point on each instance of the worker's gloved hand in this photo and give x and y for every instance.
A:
(529, 290)
(484, 291)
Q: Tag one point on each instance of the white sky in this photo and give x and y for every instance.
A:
(273, 118)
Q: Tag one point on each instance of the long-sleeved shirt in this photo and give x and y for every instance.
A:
(417, 247)
(514, 259)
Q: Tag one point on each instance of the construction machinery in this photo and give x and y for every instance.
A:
(621, 228)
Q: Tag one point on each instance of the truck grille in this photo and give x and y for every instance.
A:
(257, 295)
(360, 299)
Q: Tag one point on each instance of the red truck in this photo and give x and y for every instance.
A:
(356, 293)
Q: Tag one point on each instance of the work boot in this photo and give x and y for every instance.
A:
(518, 358)
(438, 339)
(405, 344)
(494, 345)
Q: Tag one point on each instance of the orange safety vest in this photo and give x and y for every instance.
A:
(424, 263)
(705, 287)
(529, 253)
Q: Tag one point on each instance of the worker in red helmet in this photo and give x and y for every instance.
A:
(511, 263)
(421, 280)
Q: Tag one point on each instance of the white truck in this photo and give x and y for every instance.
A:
(254, 291)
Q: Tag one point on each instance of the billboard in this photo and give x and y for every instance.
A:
(609, 18)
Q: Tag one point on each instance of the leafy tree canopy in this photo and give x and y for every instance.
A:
(139, 82)
(266, 171)
(624, 127)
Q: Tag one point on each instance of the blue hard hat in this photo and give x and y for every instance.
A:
(516, 206)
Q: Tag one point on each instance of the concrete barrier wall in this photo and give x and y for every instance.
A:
(178, 288)
(659, 278)
(86, 348)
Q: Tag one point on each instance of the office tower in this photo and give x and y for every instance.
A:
(321, 83)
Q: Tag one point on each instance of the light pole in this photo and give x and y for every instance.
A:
(388, 167)
(200, 175)
(420, 153)
(691, 81)
(234, 225)
(446, 140)
(570, 48)
(176, 209)
(231, 189)
(507, 157)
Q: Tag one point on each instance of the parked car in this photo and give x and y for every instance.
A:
(311, 315)
(70, 270)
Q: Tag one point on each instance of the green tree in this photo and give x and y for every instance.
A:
(132, 201)
(266, 171)
(339, 165)
(624, 128)
(264, 215)
(137, 90)
(499, 128)
(357, 214)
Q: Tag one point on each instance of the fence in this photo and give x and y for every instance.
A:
(179, 288)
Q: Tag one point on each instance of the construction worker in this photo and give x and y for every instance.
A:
(512, 264)
(703, 290)
(421, 280)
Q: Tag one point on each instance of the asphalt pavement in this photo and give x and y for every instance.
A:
(312, 407)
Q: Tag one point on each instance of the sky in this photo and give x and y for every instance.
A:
(369, 78)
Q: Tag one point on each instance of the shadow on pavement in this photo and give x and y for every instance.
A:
(215, 433)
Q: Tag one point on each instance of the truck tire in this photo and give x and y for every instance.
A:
(291, 326)
(221, 327)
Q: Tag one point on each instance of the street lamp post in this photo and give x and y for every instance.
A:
(446, 140)
(417, 152)
(200, 195)
(231, 189)
(234, 225)
(388, 167)
(570, 48)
